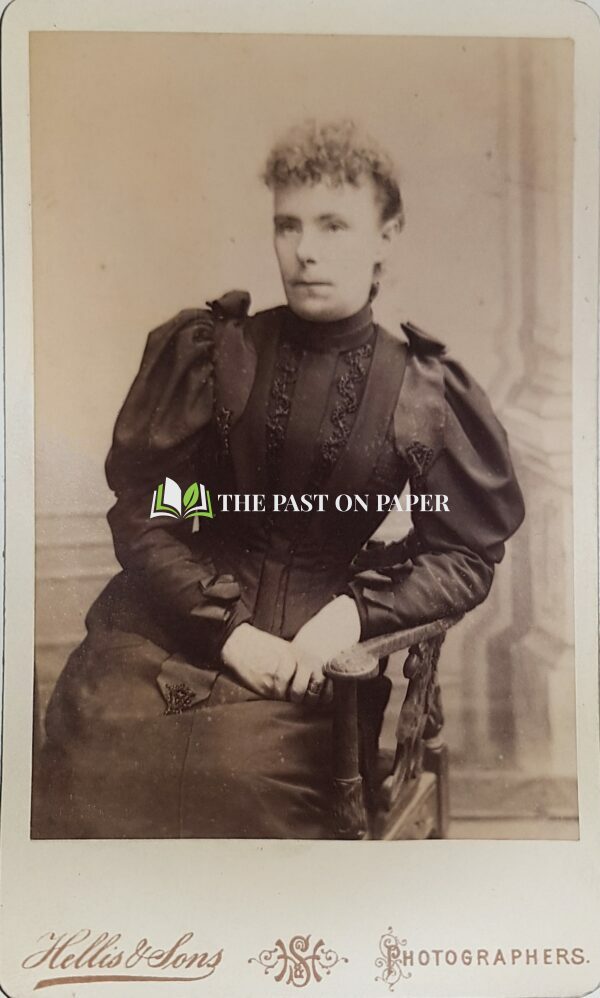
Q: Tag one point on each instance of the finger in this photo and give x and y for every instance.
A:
(309, 670)
(300, 681)
(321, 699)
(222, 587)
(327, 694)
(315, 689)
(283, 676)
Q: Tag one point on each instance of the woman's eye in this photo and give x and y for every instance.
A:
(335, 227)
(283, 227)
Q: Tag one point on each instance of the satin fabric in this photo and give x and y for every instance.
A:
(250, 405)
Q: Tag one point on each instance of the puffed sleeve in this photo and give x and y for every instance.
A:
(455, 447)
(166, 420)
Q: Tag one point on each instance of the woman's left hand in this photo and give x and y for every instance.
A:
(309, 685)
(332, 630)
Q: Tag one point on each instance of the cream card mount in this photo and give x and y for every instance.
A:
(134, 138)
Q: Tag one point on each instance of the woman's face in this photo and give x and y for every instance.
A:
(328, 240)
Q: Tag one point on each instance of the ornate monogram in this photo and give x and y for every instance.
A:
(391, 960)
(179, 698)
(297, 963)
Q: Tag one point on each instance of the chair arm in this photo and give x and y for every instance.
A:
(358, 663)
(361, 661)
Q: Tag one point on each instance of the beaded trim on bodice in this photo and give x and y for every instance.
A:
(278, 409)
(348, 388)
(342, 415)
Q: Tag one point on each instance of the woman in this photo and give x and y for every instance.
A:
(197, 705)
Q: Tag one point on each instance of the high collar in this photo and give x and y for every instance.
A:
(322, 337)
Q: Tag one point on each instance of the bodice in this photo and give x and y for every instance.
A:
(272, 404)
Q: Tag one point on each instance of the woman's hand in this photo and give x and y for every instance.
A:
(262, 662)
(284, 670)
(309, 685)
(330, 631)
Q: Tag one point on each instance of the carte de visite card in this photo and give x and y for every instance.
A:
(300, 676)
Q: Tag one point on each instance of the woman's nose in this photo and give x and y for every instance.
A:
(306, 249)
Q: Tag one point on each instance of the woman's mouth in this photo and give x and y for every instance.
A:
(311, 284)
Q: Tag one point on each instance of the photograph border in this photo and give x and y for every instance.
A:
(41, 881)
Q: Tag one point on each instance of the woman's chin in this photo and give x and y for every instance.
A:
(316, 309)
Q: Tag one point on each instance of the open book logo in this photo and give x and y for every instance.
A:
(167, 500)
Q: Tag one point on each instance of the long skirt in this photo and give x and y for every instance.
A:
(119, 762)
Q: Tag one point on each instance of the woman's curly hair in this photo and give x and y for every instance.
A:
(339, 153)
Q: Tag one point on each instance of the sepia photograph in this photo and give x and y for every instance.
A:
(300, 623)
(303, 461)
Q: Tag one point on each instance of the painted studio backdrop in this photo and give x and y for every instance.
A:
(146, 155)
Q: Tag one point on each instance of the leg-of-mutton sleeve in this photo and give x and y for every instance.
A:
(167, 420)
(455, 447)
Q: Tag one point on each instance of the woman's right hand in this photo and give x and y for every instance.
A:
(261, 661)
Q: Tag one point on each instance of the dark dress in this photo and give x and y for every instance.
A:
(148, 734)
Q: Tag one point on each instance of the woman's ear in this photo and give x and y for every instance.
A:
(390, 229)
(388, 233)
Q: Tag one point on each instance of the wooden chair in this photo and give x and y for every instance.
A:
(390, 795)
